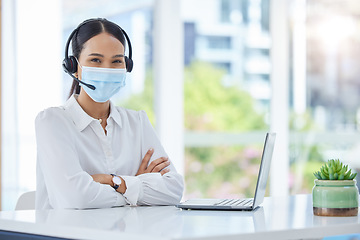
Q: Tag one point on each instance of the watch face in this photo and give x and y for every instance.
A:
(117, 180)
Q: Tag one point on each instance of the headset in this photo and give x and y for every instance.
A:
(70, 63)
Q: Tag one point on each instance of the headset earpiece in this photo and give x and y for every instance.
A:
(70, 64)
(129, 64)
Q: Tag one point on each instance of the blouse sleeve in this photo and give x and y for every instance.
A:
(153, 188)
(67, 184)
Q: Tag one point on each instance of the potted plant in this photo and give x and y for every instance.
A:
(335, 192)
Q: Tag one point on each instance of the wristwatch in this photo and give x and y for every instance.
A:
(116, 180)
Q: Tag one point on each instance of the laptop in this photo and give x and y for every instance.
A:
(247, 204)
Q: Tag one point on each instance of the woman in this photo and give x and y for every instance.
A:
(92, 154)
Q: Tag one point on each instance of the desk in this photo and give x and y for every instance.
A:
(278, 218)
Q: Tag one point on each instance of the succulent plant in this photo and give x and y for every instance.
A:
(334, 170)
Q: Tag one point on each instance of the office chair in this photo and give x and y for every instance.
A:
(26, 201)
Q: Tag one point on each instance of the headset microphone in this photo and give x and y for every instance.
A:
(78, 80)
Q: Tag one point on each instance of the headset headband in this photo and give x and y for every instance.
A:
(70, 66)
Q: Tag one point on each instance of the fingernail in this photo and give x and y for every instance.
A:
(151, 149)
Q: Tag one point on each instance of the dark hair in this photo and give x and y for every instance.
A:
(86, 30)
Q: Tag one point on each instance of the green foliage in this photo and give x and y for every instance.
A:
(222, 171)
(211, 106)
(314, 154)
(334, 170)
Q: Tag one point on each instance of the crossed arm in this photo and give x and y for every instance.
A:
(159, 165)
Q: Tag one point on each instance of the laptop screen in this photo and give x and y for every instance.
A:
(264, 168)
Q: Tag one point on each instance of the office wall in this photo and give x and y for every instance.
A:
(26, 88)
(310, 125)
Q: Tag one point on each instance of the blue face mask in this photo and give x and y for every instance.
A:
(107, 81)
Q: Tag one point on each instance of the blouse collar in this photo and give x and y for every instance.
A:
(81, 119)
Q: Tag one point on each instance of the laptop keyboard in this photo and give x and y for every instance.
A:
(235, 202)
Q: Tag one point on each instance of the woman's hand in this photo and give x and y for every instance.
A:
(103, 178)
(158, 165)
(107, 179)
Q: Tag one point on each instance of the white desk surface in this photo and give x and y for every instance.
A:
(278, 218)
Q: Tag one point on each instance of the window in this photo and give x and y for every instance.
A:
(216, 42)
(226, 63)
(325, 107)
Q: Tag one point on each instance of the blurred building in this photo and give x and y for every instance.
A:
(233, 35)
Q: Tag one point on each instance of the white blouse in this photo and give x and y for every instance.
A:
(72, 146)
